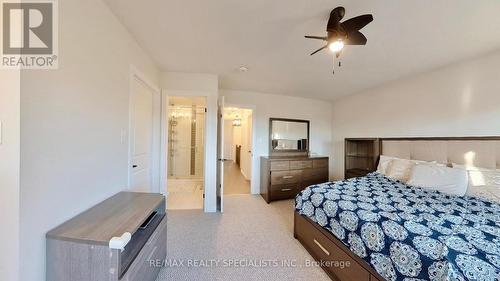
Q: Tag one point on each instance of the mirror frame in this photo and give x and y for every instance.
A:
(290, 152)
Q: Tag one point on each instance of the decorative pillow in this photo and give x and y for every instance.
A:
(400, 169)
(383, 164)
(480, 176)
(447, 180)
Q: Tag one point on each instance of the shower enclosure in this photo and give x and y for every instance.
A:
(186, 152)
(186, 132)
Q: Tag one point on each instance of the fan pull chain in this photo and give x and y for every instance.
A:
(337, 55)
(333, 66)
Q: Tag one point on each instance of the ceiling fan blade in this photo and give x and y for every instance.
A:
(356, 38)
(356, 23)
(319, 50)
(336, 15)
(316, 37)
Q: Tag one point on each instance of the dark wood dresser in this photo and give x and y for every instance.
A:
(282, 177)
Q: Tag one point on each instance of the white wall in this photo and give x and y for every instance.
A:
(229, 145)
(458, 100)
(72, 156)
(9, 173)
(200, 85)
(246, 142)
(266, 106)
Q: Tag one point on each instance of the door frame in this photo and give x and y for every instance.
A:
(166, 95)
(158, 138)
(220, 154)
(210, 175)
(254, 184)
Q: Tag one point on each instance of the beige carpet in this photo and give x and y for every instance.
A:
(250, 232)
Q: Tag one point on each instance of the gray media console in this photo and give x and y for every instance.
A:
(118, 239)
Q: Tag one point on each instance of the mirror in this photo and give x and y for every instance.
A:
(289, 135)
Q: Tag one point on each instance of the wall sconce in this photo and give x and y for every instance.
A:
(237, 122)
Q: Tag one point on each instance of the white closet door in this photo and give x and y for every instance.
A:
(141, 137)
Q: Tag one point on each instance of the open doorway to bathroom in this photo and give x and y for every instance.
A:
(238, 153)
(186, 152)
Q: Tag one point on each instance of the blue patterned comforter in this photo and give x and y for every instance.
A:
(408, 233)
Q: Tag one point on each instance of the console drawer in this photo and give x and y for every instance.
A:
(300, 164)
(154, 249)
(323, 249)
(285, 177)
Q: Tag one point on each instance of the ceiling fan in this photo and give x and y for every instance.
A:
(343, 33)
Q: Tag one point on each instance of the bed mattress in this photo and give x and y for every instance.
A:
(408, 233)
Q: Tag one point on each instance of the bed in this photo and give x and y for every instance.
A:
(377, 228)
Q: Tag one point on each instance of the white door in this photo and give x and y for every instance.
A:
(220, 155)
(141, 136)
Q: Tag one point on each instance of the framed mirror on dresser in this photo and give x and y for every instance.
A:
(288, 137)
(290, 168)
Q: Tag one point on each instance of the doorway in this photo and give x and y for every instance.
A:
(238, 138)
(186, 152)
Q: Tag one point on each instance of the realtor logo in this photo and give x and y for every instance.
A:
(29, 34)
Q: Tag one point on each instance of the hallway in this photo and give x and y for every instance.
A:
(234, 181)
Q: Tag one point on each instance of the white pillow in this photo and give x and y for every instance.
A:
(447, 180)
(400, 169)
(480, 176)
(384, 163)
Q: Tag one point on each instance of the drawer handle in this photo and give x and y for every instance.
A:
(321, 247)
(286, 189)
(287, 177)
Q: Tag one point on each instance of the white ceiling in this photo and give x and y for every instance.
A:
(405, 38)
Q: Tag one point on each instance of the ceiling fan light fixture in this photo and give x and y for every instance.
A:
(336, 46)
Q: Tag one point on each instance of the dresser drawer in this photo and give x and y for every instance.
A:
(280, 165)
(320, 174)
(284, 191)
(285, 177)
(300, 164)
(323, 249)
(320, 163)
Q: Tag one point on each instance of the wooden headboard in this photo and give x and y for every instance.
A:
(481, 152)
